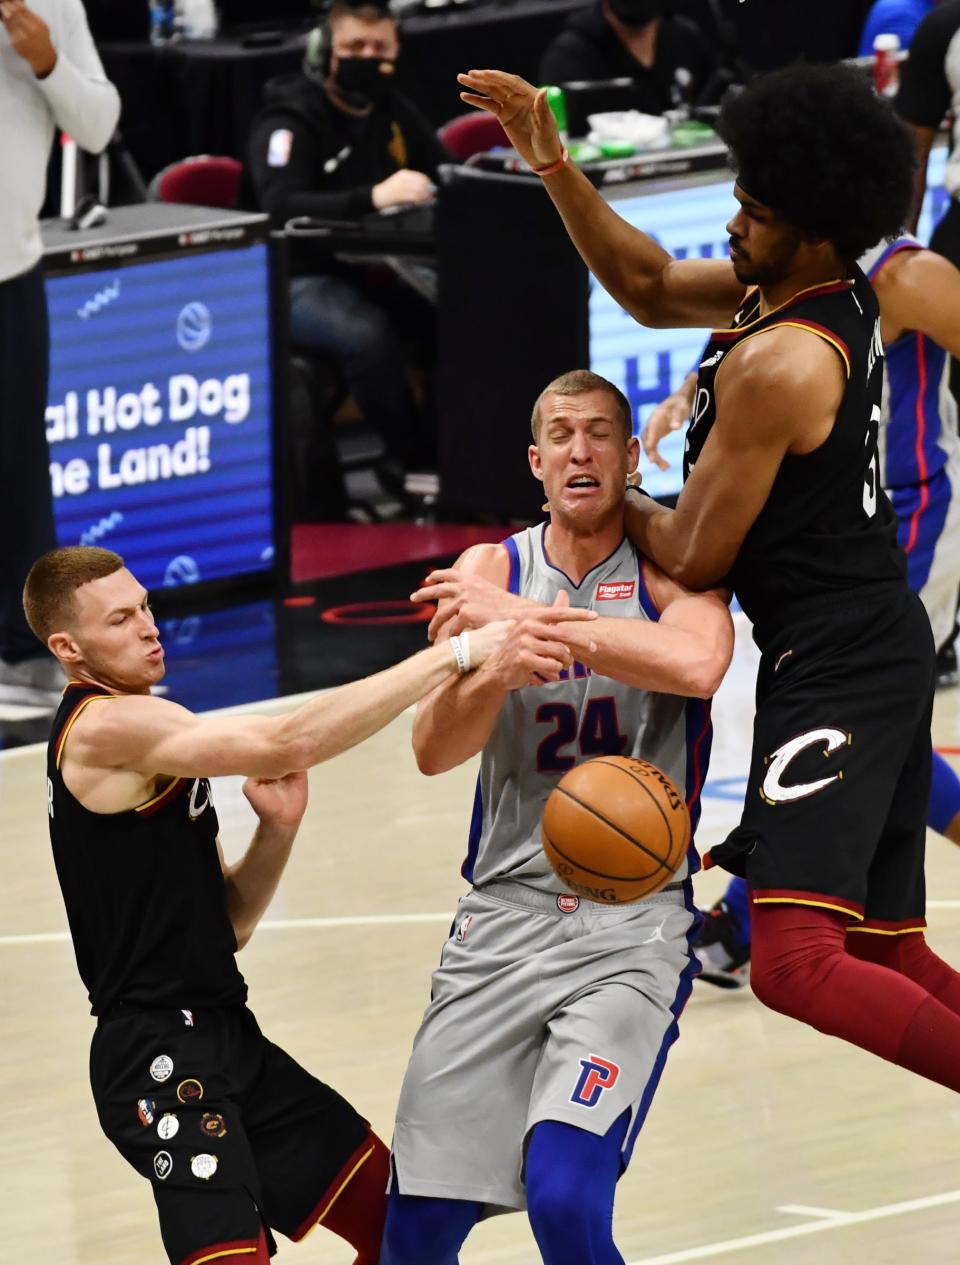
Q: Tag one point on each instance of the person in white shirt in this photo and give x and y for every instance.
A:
(50, 77)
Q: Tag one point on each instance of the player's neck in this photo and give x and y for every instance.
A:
(815, 274)
(576, 548)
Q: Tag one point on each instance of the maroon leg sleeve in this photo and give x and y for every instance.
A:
(800, 968)
(911, 956)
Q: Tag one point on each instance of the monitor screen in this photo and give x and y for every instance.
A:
(160, 414)
(688, 219)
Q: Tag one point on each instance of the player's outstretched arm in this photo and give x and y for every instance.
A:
(686, 652)
(654, 288)
(153, 736)
(777, 393)
(668, 416)
(250, 883)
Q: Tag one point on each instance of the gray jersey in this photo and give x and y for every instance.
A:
(542, 731)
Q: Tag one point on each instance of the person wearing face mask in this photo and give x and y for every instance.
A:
(337, 141)
(666, 56)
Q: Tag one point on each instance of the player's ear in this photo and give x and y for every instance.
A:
(533, 455)
(633, 454)
(64, 647)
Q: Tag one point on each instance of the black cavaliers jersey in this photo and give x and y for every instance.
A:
(827, 527)
(143, 889)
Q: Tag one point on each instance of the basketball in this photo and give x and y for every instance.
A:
(615, 829)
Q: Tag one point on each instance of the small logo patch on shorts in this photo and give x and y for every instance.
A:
(161, 1069)
(188, 1019)
(204, 1166)
(162, 1164)
(145, 1109)
(596, 1075)
(168, 1126)
(190, 1090)
(463, 928)
(213, 1124)
(568, 904)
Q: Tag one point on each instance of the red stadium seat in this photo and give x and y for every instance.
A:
(472, 133)
(204, 180)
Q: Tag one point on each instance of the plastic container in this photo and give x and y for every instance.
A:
(886, 64)
(557, 101)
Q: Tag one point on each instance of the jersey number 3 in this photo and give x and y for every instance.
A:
(599, 733)
(871, 480)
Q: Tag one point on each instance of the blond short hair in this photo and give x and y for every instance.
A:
(54, 579)
(581, 382)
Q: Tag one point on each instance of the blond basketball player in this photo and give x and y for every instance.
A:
(551, 1016)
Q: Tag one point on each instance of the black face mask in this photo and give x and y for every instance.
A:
(362, 81)
(636, 12)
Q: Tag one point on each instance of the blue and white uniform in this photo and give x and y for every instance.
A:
(919, 447)
(546, 1007)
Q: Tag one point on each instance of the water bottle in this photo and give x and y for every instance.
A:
(557, 101)
(886, 64)
(162, 16)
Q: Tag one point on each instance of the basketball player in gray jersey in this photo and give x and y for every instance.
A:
(551, 1015)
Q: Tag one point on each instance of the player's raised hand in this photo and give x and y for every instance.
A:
(279, 802)
(522, 110)
(669, 415)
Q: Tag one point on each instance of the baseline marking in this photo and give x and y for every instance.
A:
(268, 924)
(828, 1221)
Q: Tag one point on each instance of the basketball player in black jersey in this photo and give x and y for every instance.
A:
(782, 501)
(235, 1136)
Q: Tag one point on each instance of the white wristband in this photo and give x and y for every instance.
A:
(461, 652)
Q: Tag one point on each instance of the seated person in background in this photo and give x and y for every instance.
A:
(893, 17)
(336, 141)
(666, 56)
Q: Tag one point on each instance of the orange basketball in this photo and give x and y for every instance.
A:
(615, 829)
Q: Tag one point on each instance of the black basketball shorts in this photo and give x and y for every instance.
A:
(836, 801)
(232, 1133)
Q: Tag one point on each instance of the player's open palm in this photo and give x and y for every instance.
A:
(280, 801)
(522, 110)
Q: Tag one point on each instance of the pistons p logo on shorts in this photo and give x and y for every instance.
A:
(596, 1075)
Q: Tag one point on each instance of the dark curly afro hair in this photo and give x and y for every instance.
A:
(822, 150)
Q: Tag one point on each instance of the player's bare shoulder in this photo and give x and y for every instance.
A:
(112, 731)
(489, 560)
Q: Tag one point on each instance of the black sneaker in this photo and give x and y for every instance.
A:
(725, 961)
(947, 674)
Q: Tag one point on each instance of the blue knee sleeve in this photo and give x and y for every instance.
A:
(737, 900)
(571, 1177)
(944, 795)
(424, 1231)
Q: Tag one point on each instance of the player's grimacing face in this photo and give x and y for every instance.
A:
(116, 633)
(582, 455)
(763, 246)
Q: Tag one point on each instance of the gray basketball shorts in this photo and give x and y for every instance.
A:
(537, 1014)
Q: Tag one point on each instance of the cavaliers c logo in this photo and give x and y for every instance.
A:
(773, 790)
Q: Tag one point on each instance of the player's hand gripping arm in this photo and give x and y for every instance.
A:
(777, 393)
(655, 288)
(155, 736)
(251, 882)
(686, 652)
(456, 720)
(669, 415)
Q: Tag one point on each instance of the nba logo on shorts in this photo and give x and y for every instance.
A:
(463, 928)
(596, 1075)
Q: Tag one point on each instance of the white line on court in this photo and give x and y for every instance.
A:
(270, 924)
(833, 1222)
(804, 1210)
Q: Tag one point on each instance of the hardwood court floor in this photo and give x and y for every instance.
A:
(768, 1144)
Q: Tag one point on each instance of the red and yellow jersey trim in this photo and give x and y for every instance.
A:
(812, 327)
(825, 287)
(818, 900)
(72, 718)
(240, 1247)
(160, 800)
(878, 927)
(335, 1190)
